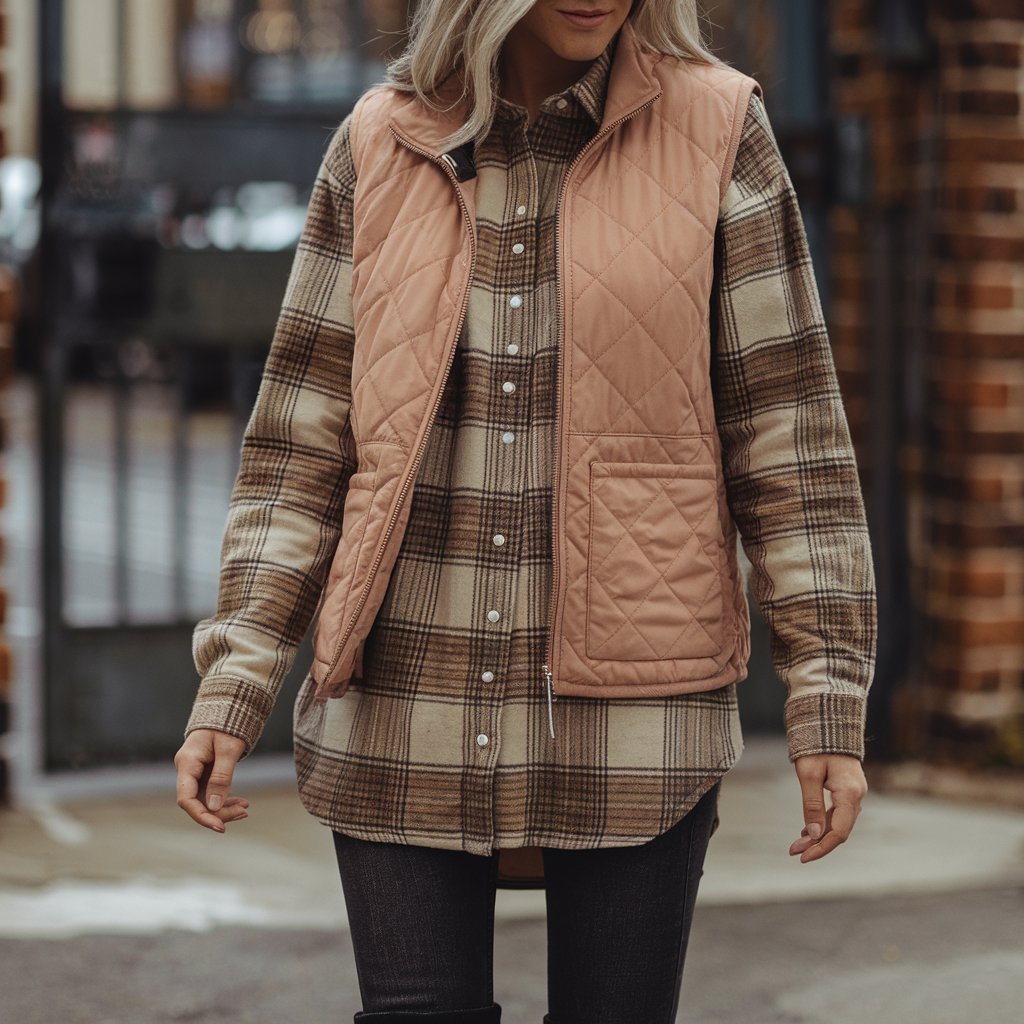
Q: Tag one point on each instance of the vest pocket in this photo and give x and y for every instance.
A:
(655, 562)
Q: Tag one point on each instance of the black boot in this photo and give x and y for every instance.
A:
(476, 1015)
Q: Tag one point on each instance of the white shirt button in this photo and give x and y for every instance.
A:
(488, 676)
(518, 248)
(512, 348)
(516, 301)
(482, 739)
(561, 103)
(493, 615)
(508, 387)
(508, 437)
(499, 539)
(520, 210)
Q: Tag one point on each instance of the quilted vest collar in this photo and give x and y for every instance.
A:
(630, 85)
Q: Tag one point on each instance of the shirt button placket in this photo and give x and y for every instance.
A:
(503, 537)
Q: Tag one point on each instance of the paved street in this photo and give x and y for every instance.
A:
(120, 910)
(931, 959)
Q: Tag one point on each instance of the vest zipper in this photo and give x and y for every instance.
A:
(410, 476)
(556, 510)
(551, 697)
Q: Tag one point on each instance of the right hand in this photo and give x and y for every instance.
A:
(206, 763)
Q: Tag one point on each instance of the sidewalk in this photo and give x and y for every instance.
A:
(122, 911)
(137, 863)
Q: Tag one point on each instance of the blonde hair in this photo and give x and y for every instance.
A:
(467, 35)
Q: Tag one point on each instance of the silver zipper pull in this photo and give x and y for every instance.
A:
(551, 697)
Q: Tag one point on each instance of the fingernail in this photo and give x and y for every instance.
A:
(814, 829)
(214, 802)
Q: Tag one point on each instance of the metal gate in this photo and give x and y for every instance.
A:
(168, 234)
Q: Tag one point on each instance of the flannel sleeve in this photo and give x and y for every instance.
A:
(791, 473)
(297, 455)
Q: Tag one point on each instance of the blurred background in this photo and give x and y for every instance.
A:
(157, 157)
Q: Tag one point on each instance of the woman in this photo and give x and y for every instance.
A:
(551, 343)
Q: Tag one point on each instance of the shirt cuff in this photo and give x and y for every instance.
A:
(233, 706)
(825, 723)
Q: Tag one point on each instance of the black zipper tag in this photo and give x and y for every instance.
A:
(460, 160)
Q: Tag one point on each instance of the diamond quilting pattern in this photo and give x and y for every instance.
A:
(654, 566)
(647, 580)
(641, 558)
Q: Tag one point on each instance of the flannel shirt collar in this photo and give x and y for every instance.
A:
(586, 94)
(631, 83)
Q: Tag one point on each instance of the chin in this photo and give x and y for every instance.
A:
(578, 49)
(573, 45)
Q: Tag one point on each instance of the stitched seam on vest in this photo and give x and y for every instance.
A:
(678, 275)
(384, 440)
(355, 129)
(571, 347)
(632, 402)
(650, 145)
(642, 433)
(387, 293)
(638, 166)
(389, 181)
(674, 200)
(357, 547)
(592, 580)
(742, 100)
(635, 237)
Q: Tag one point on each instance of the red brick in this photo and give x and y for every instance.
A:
(981, 53)
(985, 148)
(973, 582)
(982, 295)
(978, 632)
(958, 484)
(971, 10)
(974, 393)
(954, 679)
(988, 102)
(978, 345)
(960, 536)
(980, 199)
(968, 246)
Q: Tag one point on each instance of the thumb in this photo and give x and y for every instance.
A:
(218, 785)
(812, 790)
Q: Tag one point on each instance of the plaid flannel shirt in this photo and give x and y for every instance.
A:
(442, 739)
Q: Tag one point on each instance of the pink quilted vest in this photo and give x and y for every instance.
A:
(647, 598)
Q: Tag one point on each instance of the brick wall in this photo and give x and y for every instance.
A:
(947, 145)
(6, 368)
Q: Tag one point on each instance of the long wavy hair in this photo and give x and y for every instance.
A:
(467, 36)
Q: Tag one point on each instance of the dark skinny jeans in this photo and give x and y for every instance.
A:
(618, 924)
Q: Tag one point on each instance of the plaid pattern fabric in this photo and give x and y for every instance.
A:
(788, 458)
(442, 739)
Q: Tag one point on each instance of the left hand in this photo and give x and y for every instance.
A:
(843, 776)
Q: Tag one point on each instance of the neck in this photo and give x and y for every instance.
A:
(530, 71)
